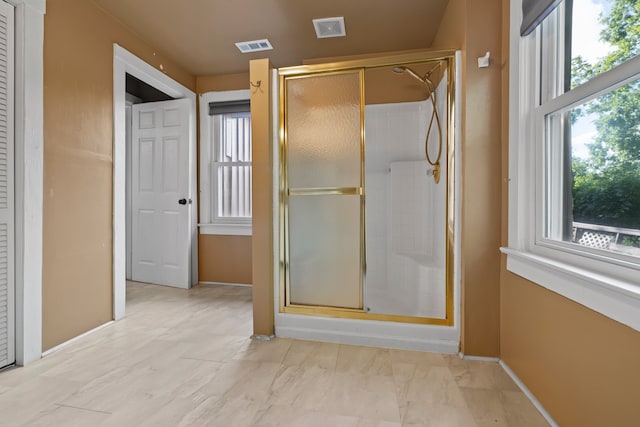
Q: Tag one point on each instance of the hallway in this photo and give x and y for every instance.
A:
(184, 358)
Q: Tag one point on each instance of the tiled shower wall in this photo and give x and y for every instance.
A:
(405, 210)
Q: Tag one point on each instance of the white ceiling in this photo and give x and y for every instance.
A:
(200, 35)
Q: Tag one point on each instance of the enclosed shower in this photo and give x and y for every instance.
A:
(406, 202)
(367, 196)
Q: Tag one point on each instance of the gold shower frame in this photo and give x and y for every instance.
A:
(360, 65)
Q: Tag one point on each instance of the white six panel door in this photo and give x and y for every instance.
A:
(160, 193)
(7, 202)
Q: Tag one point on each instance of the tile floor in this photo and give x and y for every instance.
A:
(183, 358)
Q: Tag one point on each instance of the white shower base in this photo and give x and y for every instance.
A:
(405, 336)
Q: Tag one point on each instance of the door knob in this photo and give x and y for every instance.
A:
(182, 201)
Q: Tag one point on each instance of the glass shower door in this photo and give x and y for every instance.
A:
(323, 189)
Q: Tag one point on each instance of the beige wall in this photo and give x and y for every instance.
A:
(582, 366)
(465, 25)
(452, 30)
(222, 82)
(382, 85)
(78, 191)
(481, 172)
(262, 158)
(225, 259)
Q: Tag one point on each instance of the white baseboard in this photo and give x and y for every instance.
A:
(72, 340)
(244, 285)
(529, 394)
(479, 358)
(263, 337)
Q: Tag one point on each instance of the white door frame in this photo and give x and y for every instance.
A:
(29, 60)
(129, 101)
(125, 62)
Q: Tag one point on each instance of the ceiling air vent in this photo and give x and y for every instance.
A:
(254, 46)
(329, 27)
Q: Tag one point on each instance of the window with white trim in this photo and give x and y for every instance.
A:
(574, 220)
(225, 163)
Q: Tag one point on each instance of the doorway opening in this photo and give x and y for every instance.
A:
(137, 92)
(147, 82)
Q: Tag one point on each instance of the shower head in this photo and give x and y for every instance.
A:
(425, 79)
(403, 69)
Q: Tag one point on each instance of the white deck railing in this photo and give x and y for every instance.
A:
(605, 237)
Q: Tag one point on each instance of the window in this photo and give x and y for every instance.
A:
(225, 163)
(574, 220)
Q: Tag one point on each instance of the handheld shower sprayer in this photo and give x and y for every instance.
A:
(424, 79)
(434, 115)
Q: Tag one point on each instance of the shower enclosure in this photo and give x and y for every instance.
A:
(366, 176)
(406, 203)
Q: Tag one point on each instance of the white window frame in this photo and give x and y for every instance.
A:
(608, 284)
(208, 222)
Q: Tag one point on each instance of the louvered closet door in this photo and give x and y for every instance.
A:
(7, 283)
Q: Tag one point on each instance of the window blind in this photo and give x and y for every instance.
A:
(533, 12)
(226, 107)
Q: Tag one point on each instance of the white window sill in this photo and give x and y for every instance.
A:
(611, 297)
(226, 229)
